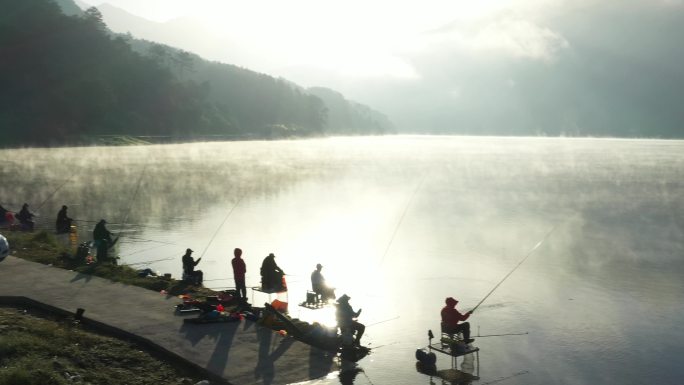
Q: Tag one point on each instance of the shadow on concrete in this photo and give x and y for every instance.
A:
(265, 367)
(222, 333)
(320, 363)
(81, 276)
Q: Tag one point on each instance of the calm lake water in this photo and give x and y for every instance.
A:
(400, 223)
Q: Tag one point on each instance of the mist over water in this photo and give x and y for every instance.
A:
(400, 223)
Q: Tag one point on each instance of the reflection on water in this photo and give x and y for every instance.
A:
(400, 223)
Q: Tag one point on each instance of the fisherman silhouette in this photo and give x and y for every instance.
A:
(271, 275)
(63, 222)
(451, 318)
(25, 217)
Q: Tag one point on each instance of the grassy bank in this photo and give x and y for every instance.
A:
(37, 347)
(43, 247)
(41, 349)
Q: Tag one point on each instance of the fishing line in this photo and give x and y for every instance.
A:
(117, 223)
(516, 267)
(368, 378)
(140, 239)
(54, 192)
(506, 378)
(401, 219)
(221, 225)
(142, 251)
(389, 344)
(380, 322)
(135, 194)
(150, 262)
(501, 335)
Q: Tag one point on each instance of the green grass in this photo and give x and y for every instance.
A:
(43, 247)
(48, 350)
(41, 349)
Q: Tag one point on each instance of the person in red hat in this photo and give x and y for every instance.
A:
(451, 318)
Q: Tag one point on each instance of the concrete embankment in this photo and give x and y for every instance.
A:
(241, 353)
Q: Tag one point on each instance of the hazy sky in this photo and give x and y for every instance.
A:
(540, 65)
(355, 39)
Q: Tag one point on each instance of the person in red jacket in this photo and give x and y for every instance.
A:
(451, 318)
(239, 270)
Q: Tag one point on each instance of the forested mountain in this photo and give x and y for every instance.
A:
(257, 98)
(65, 77)
(348, 117)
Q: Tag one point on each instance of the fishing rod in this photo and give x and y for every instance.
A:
(383, 321)
(142, 251)
(221, 225)
(506, 378)
(389, 344)
(140, 239)
(502, 335)
(135, 194)
(150, 262)
(368, 378)
(516, 267)
(401, 219)
(117, 223)
(54, 192)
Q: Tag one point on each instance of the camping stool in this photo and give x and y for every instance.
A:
(346, 336)
(191, 279)
(312, 298)
(448, 337)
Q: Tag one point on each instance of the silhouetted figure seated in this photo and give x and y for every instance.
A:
(346, 321)
(25, 217)
(6, 216)
(271, 276)
(451, 318)
(319, 286)
(63, 222)
(195, 277)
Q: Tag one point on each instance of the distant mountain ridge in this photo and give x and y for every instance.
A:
(66, 78)
(343, 116)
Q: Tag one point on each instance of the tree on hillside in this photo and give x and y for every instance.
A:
(94, 16)
(184, 61)
(158, 53)
(66, 76)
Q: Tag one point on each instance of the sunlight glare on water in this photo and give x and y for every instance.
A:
(400, 223)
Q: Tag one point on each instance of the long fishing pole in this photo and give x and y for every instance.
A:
(506, 378)
(142, 251)
(142, 240)
(117, 223)
(401, 219)
(135, 194)
(150, 262)
(221, 225)
(516, 267)
(54, 192)
(382, 322)
(502, 335)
